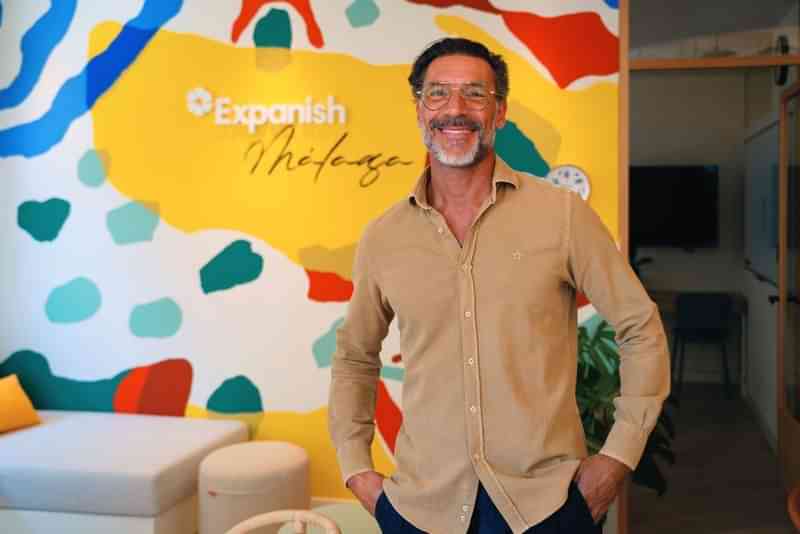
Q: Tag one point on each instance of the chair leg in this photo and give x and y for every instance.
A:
(681, 364)
(725, 372)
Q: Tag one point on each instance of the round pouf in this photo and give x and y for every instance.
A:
(239, 481)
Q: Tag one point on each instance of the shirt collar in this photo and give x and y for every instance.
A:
(502, 174)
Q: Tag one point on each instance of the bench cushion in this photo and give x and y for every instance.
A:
(108, 463)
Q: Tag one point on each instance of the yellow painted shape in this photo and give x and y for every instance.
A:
(202, 175)
(586, 119)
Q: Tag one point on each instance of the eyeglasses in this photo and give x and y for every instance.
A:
(437, 95)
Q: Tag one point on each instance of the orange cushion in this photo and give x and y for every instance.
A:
(16, 409)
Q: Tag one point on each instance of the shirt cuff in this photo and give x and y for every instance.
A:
(354, 458)
(625, 443)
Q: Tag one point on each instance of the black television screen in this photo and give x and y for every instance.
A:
(674, 206)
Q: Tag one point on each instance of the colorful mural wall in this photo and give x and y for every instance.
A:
(183, 184)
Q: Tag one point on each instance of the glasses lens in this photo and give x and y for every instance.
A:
(436, 96)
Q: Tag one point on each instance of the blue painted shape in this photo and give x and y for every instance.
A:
(75, 301)
(161, 318)
(1, 14)
(362, 13)
(614, 4)
(325, 346)
(37, 44)
(516, 149)
(91, 169)
(131, 223)
(393, 373)
(236, 395)
(79, 93)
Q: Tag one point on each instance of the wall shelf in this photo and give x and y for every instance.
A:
(727, 62)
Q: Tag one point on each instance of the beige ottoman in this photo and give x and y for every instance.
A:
(246, 479)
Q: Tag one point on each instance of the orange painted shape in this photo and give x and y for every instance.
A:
(328, 287)
(480, 5)
(166, 391)
(387, 416)
(250, 9)
(126, 398)
(569, 46)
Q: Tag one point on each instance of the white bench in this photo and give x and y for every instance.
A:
(106, 473)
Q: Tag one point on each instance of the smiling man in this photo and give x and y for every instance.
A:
(480, 265)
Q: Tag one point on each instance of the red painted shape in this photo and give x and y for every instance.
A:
(328, 287)
(582, 300)
(251, 7)
(397, 358)
(569, 46)
(387, 416)
(480, 5)
(129, 391)
(167, 389)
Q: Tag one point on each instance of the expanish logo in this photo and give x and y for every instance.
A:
(200, 102)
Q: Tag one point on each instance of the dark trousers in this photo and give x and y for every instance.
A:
(573, 517)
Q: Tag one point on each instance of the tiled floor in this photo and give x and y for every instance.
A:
(725, 479)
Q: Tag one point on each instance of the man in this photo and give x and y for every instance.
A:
(481, 266)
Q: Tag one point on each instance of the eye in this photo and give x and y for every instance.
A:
(437, 91)
(475, 91)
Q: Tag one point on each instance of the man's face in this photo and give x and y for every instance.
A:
(457, 134)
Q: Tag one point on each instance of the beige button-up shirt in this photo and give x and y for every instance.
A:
(489, 341)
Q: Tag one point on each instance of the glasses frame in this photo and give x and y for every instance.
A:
(421, 92)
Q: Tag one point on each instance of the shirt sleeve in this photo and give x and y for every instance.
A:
(356, 368)
(597, 268)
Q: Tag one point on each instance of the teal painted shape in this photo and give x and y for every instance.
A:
(131, 223)
(393, 373)
(91, 169)
(236, 264)
(516, 149)
(50, 392)
(325, 346)
(236, 395)
(75, 301)
(161, 318)
(274, 30)
(43, 220)
(362, 13)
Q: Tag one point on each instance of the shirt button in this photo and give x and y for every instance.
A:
(440, 230)
(463, 518)
(465, 508)
(471, 361)
(473, 409)
(468, 314)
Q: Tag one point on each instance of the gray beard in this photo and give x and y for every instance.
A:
(477, 154)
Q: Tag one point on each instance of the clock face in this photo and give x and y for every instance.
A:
(572, 178)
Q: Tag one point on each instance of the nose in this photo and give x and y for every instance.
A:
(456, 105)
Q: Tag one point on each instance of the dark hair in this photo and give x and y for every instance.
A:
(451, 46)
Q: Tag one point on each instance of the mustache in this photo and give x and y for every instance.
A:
(459, 121)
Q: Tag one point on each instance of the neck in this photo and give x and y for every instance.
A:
(460, 188)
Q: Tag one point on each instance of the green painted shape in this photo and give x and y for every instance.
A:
(236, 395)
(50, 392)
(516, 149)
(274, 30)
(236, 264)
(393, 373)
(43, 220)
(131, 223)
(91, 169)
(325, 346)
(75, 301)
(362, 13)
(161, 318)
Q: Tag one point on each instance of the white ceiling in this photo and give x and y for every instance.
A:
(660, 21)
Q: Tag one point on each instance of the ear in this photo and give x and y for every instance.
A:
(500, 117)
